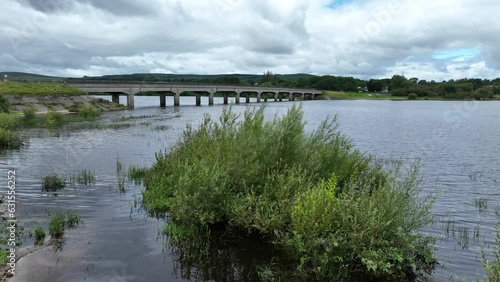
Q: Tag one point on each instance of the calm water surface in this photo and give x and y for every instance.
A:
(457, 144)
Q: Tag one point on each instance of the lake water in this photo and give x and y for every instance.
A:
(457, 143)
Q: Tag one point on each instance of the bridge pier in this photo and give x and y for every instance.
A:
(211, 99)
(115, 98)
(276, 97)
(130, 100)
(177, 99)
(280, 98)
(258, 97)
(198, 99)
(247, 98)
(163, 100)
(225, 98)
(237, 99)
(303, 97)
(312, 96)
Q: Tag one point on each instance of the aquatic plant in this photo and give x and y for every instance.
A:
(52, 183)
(39, 234)
(119, 166)
(89, 112)
(492, 267)
(72, 219)
(481, 204)
(334, 210)
(10, 139)
(53, 119)
(136, 173)
(160, 128)
(84, 177)
(121, 184)
(56, 225)
(59, 221)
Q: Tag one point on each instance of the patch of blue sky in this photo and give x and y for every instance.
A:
(465, 53)
(339, 3)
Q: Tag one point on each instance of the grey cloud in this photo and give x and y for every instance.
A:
(117, 7)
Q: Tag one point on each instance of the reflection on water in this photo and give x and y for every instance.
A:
(460, 159)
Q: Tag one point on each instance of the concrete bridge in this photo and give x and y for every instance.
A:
(175, 90)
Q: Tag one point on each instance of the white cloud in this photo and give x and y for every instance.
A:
(376, 38)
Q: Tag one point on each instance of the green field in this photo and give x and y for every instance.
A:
(38, 89)
(337, 95)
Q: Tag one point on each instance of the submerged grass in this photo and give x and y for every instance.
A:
(39, 234)
(334, 210)
(52, 183)
(136, 173)
(60, 221)
(84, 177)
(492, 266)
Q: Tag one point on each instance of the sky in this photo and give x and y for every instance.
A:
(428, 39)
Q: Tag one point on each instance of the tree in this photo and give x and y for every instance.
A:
(4, 104)
(375, 85)
(397, 81)
(268, 77)
(483, 93)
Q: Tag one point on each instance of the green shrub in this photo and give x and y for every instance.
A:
(493, 267)
(39, 234)
(89, 112)
(56, 225)
(72, 219)
(59, 222)
(136, 173)
(53, 119)
(8, 121)
(29, 113)
(332, 209)
(412, 96)
(10, 139)
(4, 104)
(52, 183)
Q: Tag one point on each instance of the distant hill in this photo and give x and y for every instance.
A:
(29, 77)
(157, 77)
(154, 77)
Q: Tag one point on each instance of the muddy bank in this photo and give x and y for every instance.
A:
(61, 103)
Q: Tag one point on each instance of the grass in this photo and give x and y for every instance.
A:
(338, 95)
(160, 128)
(121, 184)
(39, 234)
(84, 177)
(38, 89)
(136, 173)
(492, 267)
(72, 219)
(481, 204)
(10, 138)
(333, 210)
(51, 183)
(60, 221)
(119, 166)
(4, 239)
(56, 225)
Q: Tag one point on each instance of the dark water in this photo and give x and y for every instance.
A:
(457, 144)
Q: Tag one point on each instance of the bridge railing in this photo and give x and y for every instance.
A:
(81, 81)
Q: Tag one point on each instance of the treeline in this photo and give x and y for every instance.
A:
(327, 82)
(475, 88)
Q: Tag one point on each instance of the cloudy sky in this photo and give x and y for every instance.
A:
(428, 39)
